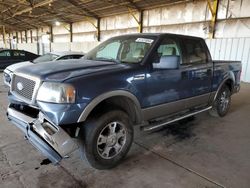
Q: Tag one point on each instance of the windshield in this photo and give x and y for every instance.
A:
(45, 58)
(124, 49)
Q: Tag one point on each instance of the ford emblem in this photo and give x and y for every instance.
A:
(19, 86)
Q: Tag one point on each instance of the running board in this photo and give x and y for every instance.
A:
(155, 125)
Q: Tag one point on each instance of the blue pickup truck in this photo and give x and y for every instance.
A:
(149, 80)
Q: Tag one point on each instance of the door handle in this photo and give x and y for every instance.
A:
(209, 72)
(184, 75)
(139, 77)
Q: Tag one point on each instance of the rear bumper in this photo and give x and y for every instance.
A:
(52, 141)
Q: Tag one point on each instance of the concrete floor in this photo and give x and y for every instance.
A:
(203, 152)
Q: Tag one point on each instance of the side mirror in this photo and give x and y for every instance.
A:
(168, 62)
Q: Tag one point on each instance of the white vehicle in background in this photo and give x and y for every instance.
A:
(51, 56)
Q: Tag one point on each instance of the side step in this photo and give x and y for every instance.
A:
(156, 125)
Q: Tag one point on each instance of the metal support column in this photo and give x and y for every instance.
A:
(51, 34)
(21, 36)
(71, 32)
(10, 41)
(26, 37)
(31, 36)
(37, 40)
(96, 25)
(17, 39)
(4, 36)
(214, 10)
(141, 22)
(138, 21)
(98, 30)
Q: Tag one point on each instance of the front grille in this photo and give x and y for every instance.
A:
(24, 87)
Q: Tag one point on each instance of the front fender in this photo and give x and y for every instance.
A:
(87, 110)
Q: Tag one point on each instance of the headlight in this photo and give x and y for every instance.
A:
(56, 93)
(7, 77)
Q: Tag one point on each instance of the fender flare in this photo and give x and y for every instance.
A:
(88, 109)
(228, 78)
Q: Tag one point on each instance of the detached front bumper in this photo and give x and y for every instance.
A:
(52, 141)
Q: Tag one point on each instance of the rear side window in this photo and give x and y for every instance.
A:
(18, 54)
(5, 54)
(77, 56)
(195, 52)
(65, 57)
(70, 57)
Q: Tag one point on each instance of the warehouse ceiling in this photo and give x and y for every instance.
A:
(31, 14)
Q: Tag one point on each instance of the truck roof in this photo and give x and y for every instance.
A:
(161, 34)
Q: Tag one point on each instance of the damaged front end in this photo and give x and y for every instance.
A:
(40, 124)
(52, 141)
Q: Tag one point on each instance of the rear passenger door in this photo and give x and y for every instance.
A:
(196, 72)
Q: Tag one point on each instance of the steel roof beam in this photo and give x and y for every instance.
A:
(83, 8)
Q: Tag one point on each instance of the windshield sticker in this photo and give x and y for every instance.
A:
(144, 40)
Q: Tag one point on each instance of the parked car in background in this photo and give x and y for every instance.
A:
(9, 57)
(55, 56)
(51, 56)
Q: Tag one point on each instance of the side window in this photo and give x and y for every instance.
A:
(5, 53)
(18, 54)
(168, 47)
(195, 52)
(65, 57)
(70, 57)
(110, 51)
(134, 51)
(29, 55)
(76, 56)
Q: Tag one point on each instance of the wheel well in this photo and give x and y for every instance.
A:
(229, 84)
(118, 102)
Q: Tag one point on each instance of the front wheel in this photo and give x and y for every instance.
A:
(222, 103)
(107, 139)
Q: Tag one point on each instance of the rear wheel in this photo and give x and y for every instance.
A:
(222, 103)
(107, 139)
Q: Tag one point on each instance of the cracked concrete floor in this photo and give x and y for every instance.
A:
(200, 152)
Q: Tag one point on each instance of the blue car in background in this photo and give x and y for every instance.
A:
(149, 80)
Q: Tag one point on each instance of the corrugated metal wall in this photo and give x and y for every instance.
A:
(232, 49)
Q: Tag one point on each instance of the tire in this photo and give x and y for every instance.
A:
(222, 103)
(107, 139)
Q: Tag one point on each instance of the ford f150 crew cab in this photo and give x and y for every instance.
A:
(149, 80)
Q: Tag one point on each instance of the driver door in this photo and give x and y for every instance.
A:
(165, 87)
